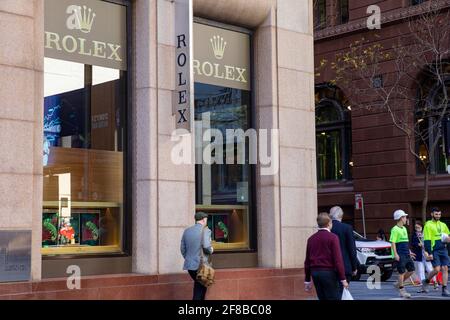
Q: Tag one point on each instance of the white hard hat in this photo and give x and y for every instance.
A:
(398, 214)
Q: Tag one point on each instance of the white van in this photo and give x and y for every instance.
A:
(373, 252)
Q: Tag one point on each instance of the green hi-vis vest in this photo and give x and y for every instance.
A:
(433, 231)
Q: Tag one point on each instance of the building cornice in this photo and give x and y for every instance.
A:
(393, 16)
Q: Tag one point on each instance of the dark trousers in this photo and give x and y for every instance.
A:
(326, 284)
(348, 277)
(199, 289)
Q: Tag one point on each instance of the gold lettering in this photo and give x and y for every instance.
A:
(50, 38)
(74, 44)
(82, 41)
(114, 48)
(196, 66)
(99, 48)
(216, 73)
(210, 73)
(241, 75)
(229, 73)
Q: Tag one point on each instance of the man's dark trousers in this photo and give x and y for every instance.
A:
(326, 284)
(199, 289)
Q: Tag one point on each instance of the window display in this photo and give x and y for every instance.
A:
(84, 145)
(224, 185)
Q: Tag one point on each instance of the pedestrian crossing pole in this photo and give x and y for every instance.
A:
(359, 205)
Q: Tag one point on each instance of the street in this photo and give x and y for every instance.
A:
(360, 291)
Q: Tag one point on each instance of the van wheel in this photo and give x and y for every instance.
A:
(386, 275)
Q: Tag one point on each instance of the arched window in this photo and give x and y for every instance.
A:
(333, 134)
(431, 118)
(320, 14)
(343, 12)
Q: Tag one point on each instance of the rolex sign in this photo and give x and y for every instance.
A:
(221, 57)
(86, 31)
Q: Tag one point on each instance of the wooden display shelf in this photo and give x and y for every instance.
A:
(95, 175)
(221, 207)
(79, 249)
(80, 204)
(229, 246)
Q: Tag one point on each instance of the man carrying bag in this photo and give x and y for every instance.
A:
(196, 249)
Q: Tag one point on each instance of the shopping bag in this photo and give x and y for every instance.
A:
(346, 295)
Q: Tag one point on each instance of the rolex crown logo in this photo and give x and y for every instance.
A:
(85, 17)
(218, 45)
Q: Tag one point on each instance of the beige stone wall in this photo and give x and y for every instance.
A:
(164, 193)
(21, 94)
(287, 201)
(298, 187)
(284, 91)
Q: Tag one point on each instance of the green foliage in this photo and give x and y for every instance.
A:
(93, 228)
(48, 225)
(224, 228)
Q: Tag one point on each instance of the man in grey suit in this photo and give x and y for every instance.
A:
(190, 249)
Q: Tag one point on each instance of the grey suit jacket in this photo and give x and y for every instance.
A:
(190, 246)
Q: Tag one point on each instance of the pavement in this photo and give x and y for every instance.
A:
(360, 291)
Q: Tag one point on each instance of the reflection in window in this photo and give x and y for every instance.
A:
(223, 190)
(320, 14)
(333, 135)
(430, 124)
(62, 76)
(343, 15)
(415, 2)
(84, 131)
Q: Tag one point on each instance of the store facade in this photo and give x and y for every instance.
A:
(89, 137)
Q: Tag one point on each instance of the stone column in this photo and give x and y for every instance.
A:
(21, 120)
(176, 183)
(298, 186)
(287, 200)
(164, 193)
(266, 105)
(145, 194)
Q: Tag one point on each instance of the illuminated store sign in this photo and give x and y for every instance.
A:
(222, 57)
(86, 31)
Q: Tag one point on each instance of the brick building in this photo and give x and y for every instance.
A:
(360, 151)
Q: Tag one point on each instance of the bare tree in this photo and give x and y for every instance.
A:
(410, 81)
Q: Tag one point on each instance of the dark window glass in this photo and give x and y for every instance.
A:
(430, 124)
(415, 2)
(343, 11)
(320, 14)
(333, 135)
(224, 190)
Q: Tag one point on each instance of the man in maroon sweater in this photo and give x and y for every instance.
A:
(324, 261)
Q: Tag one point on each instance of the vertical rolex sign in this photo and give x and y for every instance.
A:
(184, 84)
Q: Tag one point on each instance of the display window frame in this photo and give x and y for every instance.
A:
(125, 243)
(213, 210)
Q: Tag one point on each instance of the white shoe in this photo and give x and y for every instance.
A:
(404, 293)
